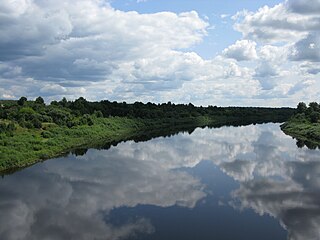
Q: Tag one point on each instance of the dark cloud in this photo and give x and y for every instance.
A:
(304, 6)
(307, 48)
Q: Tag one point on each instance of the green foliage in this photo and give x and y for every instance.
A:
(45, 131)
(314, 107)
(21, 101)
(314, 117)
(98, 114)
(3, 127)
(47, 134)
(39, 100)
(63, 102)
(36, 123)
(11, 127)
(304, 125)
(27, 111)
(302, 107)
(8, 128)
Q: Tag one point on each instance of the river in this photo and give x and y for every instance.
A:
(249, 182)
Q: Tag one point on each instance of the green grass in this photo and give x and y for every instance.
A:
(25, 146)
(302, 130)
(28, 146)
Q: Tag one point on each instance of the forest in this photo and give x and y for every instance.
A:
(33, 114)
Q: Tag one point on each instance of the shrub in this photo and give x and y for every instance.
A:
(11, 127)
(46, 134)
(3, 127)
(314, 117)
(36, 123)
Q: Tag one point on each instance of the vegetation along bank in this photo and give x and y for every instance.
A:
(304, 125)
(32, 131)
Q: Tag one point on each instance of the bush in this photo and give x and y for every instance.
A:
(314, 117)
(3, 127)
(46, 134)
(98, 114)
(36, 123)
(11, 127)
(28, 125)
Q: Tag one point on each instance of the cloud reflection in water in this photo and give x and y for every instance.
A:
(70, 198)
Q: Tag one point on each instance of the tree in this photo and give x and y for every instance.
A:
(36, 123)
(54, 103)
(63, 102)
(3, 127)
(39, 100)
(11, 127)
(22, 100)
(315, 116)
(302, 107)
(98, 114)
(314, 106)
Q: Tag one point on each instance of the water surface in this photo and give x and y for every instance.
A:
(249, 182)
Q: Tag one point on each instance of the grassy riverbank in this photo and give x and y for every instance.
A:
(304, 131)
(304, 125)
(27, 146)
(31, 131)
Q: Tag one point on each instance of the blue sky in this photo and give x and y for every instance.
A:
(243, 53)
(221, 33)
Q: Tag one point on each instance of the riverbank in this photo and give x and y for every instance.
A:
(28, 146)
(304, 131)
(32, 131)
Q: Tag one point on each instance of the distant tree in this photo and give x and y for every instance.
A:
(22, 100)
(314, 106)
(55, 103)
(26, 113)
(81, 106)
(302, 107)
(314, 117)
(63, 102)
(39, 100)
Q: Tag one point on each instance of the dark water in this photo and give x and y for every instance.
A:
(229, 183)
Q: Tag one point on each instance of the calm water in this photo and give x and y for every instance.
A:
(247, 182)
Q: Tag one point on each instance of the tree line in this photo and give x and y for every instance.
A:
(310, 112)
(33, 114)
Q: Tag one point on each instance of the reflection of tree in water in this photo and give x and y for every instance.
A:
(311, 145)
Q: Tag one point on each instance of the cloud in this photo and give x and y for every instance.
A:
(275, 24)
(240, 170)
(310, 68)
(88, 192)
(304, 6)
(62, 46)
(307, 48)
(241, 51)
(90, 49)
(274, 176)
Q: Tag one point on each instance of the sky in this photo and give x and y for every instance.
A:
(226, 53)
